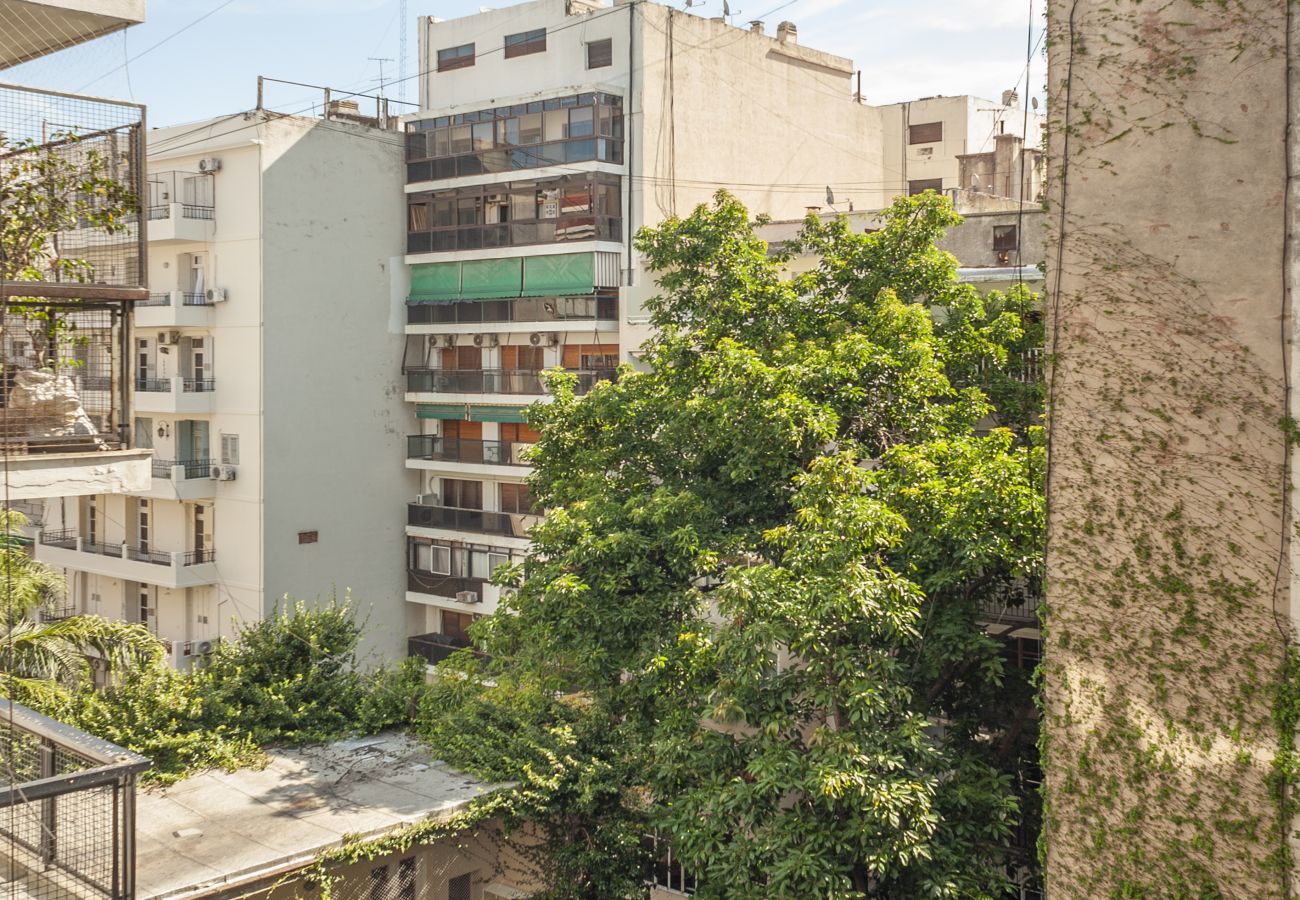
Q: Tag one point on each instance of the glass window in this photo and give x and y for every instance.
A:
(582, 122)
(925, 133)
(525, 42)
(462, 139)
(530, 129)
(418, 218)
(441, 142)
(557, 125)
(484, 135)
(510, 132)
(456, 57)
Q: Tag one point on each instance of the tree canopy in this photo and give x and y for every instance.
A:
(749, 621)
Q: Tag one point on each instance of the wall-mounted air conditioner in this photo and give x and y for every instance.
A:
(467, 597)
(216, 295)
(209, 165)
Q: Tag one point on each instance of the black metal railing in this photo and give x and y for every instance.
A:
(162, 299)
(154, 385)
(435, 647)
(467, 450)
(1010, 609)
(443, 585)
(146, 555)
(199, 385)
(516, 234)
(195, 557)
(102, 548)
(494, 381)
(191, 298)
(68, 801)
(65, 539)
(194, 468)
(191, 211)
(524, 309)
(476, 520)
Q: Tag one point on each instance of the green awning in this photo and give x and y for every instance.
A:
(563, 274)
(440, 411)
(490, 279)
(497, 414)
(431, 282)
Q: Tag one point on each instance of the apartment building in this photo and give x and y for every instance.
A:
(964, 142)
(549, 133)
(262, 366)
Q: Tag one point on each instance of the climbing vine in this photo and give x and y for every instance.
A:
(1171, 696)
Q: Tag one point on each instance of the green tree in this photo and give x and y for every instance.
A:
(763, 560)
(38, 656)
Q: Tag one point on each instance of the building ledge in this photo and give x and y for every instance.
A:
(36, 476)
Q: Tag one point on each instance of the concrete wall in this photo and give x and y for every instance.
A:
(336, 422)
(1171, 577)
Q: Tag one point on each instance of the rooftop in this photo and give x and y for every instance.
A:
(225, 830)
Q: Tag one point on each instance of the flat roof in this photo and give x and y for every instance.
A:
(219, 830)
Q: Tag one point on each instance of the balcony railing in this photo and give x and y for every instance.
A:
(466, 450)
(444, 585)
(194, 468)
(164, 385)
(199, 385)
(436, 647)
(475, 520)
(1010, 609)
(188, 211)
(68, 539)
(158, 299)
(68, 810)
(494, 381)
(524, 309)
(516, 234)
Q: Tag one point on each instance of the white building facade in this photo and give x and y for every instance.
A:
(262, 366)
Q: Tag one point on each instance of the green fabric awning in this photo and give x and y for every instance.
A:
(440, 411)
(497, 414)
(431, 282)
(491, 279)
(563, 274)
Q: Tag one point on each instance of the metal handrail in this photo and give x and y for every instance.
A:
(154, 385)
(495, 381)
(195, 557)
(199, 385)
(477, 520)
(469, 450)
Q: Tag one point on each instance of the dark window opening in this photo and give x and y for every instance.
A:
(1004, 237)
(600, 54)
(925, 133)
(923, 185)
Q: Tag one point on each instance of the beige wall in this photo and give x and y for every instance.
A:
(1168, 531)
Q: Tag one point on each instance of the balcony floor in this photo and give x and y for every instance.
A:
(37, 476)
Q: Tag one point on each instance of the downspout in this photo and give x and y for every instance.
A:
(628, 132)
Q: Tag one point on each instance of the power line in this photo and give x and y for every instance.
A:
(212, 12)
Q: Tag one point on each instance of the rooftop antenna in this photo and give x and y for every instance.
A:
(381, 60)
(402, 28)
(830, 197)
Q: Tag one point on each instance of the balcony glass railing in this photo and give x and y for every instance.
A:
(494, 381)
(475, 520)
(435, 647)
(435, 447)
(516, 234)
(443, 585)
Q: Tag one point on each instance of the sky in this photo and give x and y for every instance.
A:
(193, 59)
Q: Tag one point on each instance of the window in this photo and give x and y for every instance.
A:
(384, 886)
(923, 185)
(927, 133)
(600, 54)
(144, 433)
(461, 57)
(1004, 237)
(517, 499)
(230, 449)
(462, 494)
(406, 878)
(525, 42)
(668, 874)
(435, 558)
(458, 887)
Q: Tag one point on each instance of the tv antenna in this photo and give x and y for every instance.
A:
(402, 28)
(381, 60)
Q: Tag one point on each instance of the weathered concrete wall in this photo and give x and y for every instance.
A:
(1168, 560)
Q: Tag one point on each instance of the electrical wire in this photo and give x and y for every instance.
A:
(207, 15)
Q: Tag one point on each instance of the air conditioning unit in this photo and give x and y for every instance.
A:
(494, 340)
(173, 337)
(478, 340)
(216, 295)
(428, 500)
(215, 473)
(164, 338)
(226, 473)
(534, 338)
(211, 164)
(203, 648)
(467, 597)
(449, 340)
(552, 340)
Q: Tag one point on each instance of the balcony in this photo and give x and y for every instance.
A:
(181, 480)
(448, 587)
(181, 207)
(175, 309)
(434, 448)
(586, 313)
(67, 810)
(450, 518)
(516, 234)
(437, 647)
(174, 569)
(519, 382)
(175, 395)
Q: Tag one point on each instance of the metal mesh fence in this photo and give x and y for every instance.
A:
(72, 181)
(66, 820)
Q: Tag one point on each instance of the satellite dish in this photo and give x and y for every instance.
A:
(1033, 101)
(830, 196)
(726, 8)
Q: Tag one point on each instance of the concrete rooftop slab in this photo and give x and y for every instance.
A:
(219, 829)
